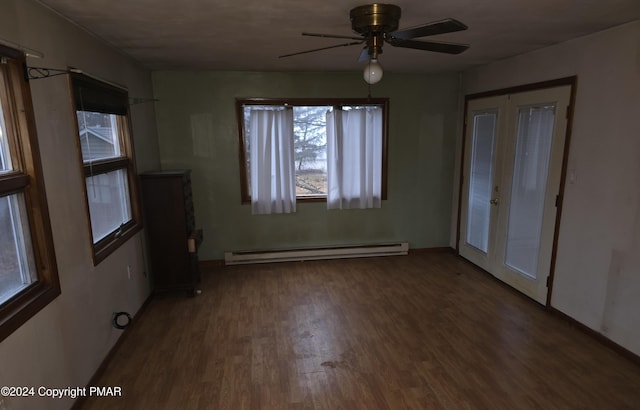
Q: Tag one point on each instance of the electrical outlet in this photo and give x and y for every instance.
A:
(129, 271)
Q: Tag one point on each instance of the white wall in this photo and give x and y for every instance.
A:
(64, 344)
(597, 277)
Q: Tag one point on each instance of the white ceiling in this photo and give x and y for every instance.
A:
(251, 34)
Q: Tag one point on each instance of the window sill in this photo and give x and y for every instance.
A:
(22, 307)
(299, 199)
(108, 245)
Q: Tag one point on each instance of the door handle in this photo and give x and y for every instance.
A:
(494, 201)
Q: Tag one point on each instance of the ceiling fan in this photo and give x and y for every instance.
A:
(378, 23)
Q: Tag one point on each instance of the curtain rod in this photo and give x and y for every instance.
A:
(36, 73)
(95, 77)
(26, 50)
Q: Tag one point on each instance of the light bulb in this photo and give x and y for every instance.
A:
(373, 71)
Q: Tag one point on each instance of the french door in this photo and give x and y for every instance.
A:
(511, 179)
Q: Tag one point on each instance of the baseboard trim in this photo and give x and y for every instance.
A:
(77, 404)
(602, 339)
(626, 353)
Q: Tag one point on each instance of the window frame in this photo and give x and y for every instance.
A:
(26, 178)
(303, 102)
(102, 97)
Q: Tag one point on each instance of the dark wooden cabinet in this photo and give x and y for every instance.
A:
(171, 232)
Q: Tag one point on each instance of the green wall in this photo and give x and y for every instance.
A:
(197, 129)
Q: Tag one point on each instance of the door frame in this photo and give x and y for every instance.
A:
(570, 81)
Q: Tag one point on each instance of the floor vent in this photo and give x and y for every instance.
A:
(333, 252)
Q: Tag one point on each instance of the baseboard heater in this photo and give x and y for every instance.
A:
(305, 254)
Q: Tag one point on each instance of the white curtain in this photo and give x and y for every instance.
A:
(272, 161)
(354, 158)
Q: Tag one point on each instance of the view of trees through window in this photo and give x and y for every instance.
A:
(309, 138)
(310, 146)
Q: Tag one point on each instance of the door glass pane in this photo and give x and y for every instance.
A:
(108, 196)
(530, 170)
(480, 179)
(17, 269)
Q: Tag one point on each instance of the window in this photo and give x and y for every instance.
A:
(311, 148)
(107, 161)
(28, 272)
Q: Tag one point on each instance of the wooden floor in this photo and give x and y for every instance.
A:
(425, 331)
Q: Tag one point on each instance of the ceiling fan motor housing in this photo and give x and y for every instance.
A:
(375, 18)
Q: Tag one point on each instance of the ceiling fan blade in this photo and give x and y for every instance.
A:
(364, 55)
(331, 36)
(429, 29)
(322, 48)
(449, 48)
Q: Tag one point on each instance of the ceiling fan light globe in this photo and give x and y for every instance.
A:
(373, 72)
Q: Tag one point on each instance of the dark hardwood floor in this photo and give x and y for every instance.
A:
(425, 331)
